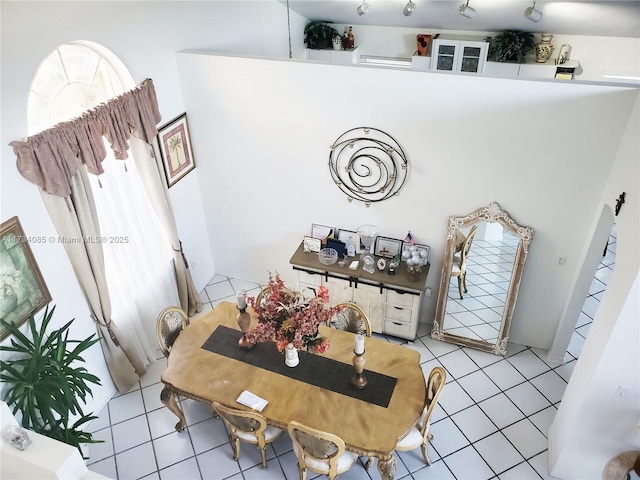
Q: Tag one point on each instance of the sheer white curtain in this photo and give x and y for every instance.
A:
(138, 256)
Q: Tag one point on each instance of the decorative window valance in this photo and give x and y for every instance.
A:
(49, 158)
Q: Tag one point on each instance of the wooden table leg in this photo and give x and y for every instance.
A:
(387, 468)
(168, 397)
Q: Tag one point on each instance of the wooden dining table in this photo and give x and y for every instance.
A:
(206, 364)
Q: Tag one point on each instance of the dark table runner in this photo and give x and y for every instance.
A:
(313, 369)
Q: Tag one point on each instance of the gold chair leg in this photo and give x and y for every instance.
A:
(235, 446)
(302, 472)
(425, 453)
(464, 282)
(264, 457)
(460, 286)
(367, 465)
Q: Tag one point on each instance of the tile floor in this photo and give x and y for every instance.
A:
(491, 421)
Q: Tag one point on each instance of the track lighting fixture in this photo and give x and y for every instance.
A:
(466, 11)
(409, 8)
(532, 14)
(364, 8)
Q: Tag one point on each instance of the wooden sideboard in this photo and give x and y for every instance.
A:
(392, 302)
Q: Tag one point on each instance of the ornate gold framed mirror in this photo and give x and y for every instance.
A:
(481, 273)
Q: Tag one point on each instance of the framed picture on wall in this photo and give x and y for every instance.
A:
(22, 289)
(175, 149)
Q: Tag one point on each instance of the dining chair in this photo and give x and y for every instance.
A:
(250, 427)
(351, 318)
(170, 323)
(419, 435)
(459, 264)
(321, 452)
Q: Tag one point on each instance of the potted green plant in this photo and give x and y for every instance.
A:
(318, 35)
(46, 381)
(511, 46)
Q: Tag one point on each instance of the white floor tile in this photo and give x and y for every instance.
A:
(272, 472)
(130, 433)
(482, 359)
(245, 286)
(478, 386)
(181, 470)
(527, 398)
(447, 438)
(136, 462)
(575, 345)
(126, 406)
(551, 385)
(161, 422)
(566, 370)
(101, 422)
(289, 464)
(473, 423)
(194, 411)
(468, 464)
(437, 470)
(457, 364)
(453, 398)
(208, 434)
(418, 346)
(519, 472)
(543, 419)
(504, 374)
(501, 410)
(218, 463)
(498, 452)
(106, 467)
(413, 459)
(541, 465)
(526, 438)
(151, 397)
(528, 364)
(219, 290)
(439, 348)
(173, 448)
(100, 451)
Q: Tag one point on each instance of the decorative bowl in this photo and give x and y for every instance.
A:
(328, 256)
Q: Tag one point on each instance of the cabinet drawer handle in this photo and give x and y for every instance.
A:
(398, 324)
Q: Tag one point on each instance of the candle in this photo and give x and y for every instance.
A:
(242, 302)
(359, 344)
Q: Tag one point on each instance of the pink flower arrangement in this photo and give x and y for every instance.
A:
(285, 316)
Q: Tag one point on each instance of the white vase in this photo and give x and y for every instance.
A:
(337, 42)
(544, 48)
(291, 356)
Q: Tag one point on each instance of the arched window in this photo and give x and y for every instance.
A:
(138, 259)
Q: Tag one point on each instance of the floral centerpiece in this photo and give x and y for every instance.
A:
(285, 316)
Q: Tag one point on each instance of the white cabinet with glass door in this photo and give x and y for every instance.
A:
(459, 55)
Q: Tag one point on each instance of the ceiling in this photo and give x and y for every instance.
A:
(608, 18)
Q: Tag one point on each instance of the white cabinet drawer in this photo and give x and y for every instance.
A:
(400, 299)
(397, 314)
(309, 278)
(397, 329)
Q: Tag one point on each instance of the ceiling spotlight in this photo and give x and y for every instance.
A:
(364, 8)
(409, 8)
(532, 14)
(466, 11)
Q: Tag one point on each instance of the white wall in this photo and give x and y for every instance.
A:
(593, 424)
(145, 36)
(541, 150)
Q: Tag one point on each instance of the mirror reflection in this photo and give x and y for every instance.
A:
(482, 269)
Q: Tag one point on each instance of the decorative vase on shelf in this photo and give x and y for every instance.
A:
(337, 42)
(291, 356)
(544, 48)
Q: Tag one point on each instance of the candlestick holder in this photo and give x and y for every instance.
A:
(244, 320)
(358, 380)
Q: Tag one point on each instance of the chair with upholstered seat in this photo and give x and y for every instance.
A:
(170, 323)
(321, 452)
(250, 427)
(419, 435)
(351, 318)
(459, 264)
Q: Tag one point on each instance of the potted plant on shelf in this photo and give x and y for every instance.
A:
(318, 35)
(46, 381)
(511, 46)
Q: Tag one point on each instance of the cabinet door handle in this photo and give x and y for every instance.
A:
(396, 323)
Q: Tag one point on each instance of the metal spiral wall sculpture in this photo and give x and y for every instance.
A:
(368, 165)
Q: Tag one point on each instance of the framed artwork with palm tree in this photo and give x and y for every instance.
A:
(175, 149)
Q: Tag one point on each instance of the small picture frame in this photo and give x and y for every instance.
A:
(322, 232)
(310, 244)
(351, 240)
(175, 149)
(387, 247)
(423, 250)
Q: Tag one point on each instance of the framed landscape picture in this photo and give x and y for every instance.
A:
(175, 149)
(22, 289)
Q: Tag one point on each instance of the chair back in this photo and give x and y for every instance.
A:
(242, 420)
(351, 318)
(435, 384)
(466, 246)
(170, 323)
(317, 445)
